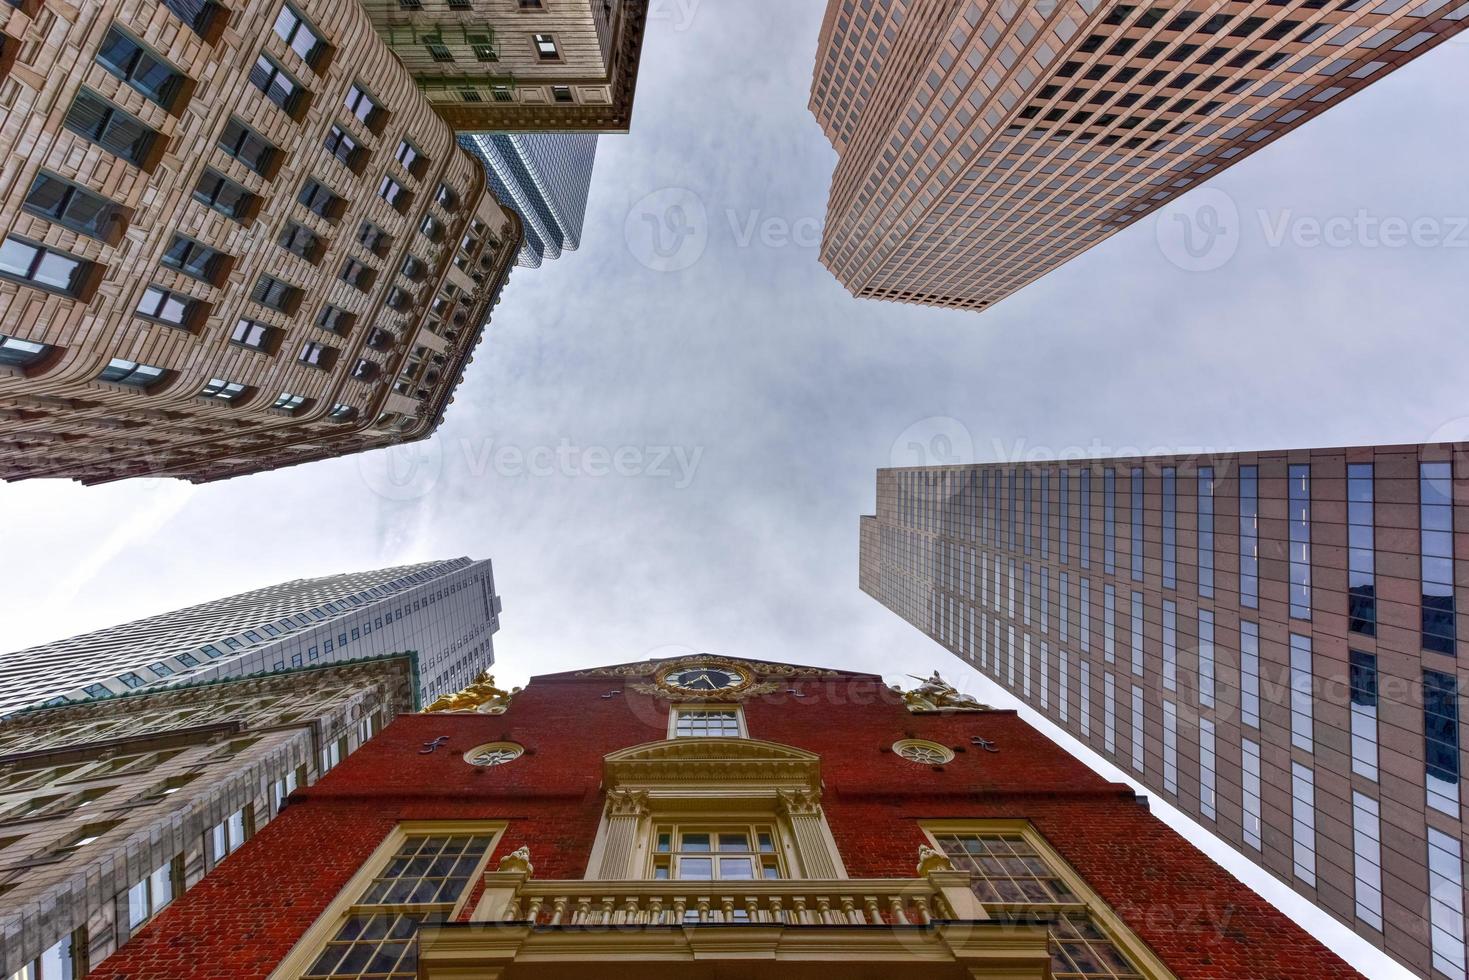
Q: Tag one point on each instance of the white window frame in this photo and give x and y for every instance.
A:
(678, 710)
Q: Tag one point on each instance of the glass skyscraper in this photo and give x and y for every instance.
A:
(543, 177)
(446, 611)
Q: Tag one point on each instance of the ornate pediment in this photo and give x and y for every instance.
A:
(662, 677)
(683, 763)
(649, 668)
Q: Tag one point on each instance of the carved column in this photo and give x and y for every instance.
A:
(802, 810)
(626, 809)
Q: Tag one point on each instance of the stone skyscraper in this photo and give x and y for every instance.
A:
(1268, 641)
(984, 144)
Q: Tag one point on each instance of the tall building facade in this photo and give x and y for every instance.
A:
(712, 816)
(112, 809)
(984, 144)
(545, 179)
(231, 239)
(520, 65)
(446, 611)
(1269, 641)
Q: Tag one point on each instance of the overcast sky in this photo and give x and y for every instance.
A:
(665, 445)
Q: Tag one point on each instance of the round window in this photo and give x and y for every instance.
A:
(494, 754)
(923, 752)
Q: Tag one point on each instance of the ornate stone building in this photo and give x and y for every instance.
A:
(112, 810)
(520, 65)
(709, 816)
(233, 237)
(984, 144)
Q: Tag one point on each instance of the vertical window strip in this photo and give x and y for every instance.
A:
(1109, 522)
(1010, 655)
(1300, 542)
(1301, 693)
(1446, 902)
(1367, 847)
(1206, 768)
(1025, 677)
(1045, 513)
(1109, 713)
(1013, 513)
(1249, 537)
(1137, 728)
(1436, 519)
(1170, 645)
(1135, 631)
(1029, 525)
(1064, 519)
(1084, 512)
(1045, 599)
(1303, 822)
(1206, 532)
(1063, 671)
(1084, 679)
(1170, 528)
(1109, 623)
(1063, 608)
(1206, 658)
(1136, 528)
(1084, 607)
(1363, 694)
(1170, 747)
(1361, 550)
(1027, 585)
(1441, 741)
(1250, 790)
(1249, 673)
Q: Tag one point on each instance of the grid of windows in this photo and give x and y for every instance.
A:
(734, 853)
(706, 723)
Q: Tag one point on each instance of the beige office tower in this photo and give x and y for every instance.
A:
(233, 237)
(983, 144)
(1268, 641)
(520, 65)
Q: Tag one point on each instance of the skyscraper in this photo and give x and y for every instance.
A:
(984, 144)
(1269, 641)
(544, 178)
(112, 809)
(445, 611)
(227, 250)
(718, 817)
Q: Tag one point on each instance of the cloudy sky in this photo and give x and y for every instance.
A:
(665, 444)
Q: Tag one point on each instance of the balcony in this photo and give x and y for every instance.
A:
(874, 929)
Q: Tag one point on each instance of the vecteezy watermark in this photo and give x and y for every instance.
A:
(1200, 231)
(412, 471)
(1203, 230)
(935, 441)
(667, 230)
(677, 13)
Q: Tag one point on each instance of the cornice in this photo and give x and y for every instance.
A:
(686, 762)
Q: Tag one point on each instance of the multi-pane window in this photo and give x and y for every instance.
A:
(1206, 768)
(1109, 522)
(217, 191)
(1436, 500)
(1084, 680)
(300, 240)
(1300, 541)
(361, 105)
(335, 320)
(1016, 881)
(199, 15)
(37, 265)
(1303, 822)
(1109, 623)
(1249, 537)
(1249, 673)
(117, 132)
(1045, 513)
(167, 306)
(1301, 693)
(340, 144)
(74, 207)
(226, 836)
(1206, 658)
(131, 373)
(1109, 713)
(140, 68)
(253, 334)
(1363, 684)
(706, 723)
(59, 962)
(1137, 728)
(1084, 508)
(1170, 528)
(1135, 632)
(193, 259)
(316, 355)
(374, 239)
(1441, 740)
(1367, 866)
(1028, 517)
(1170, 747)
(1446, 902)
(288, 402)
(319, 199)
(1012, 514)
(1206, 531)
(1170, 645)
(392, 192)
(275, 294)
(149, 897)
(277, 84)
(1136, 489)
(222, 390)
(299, 35)
(734, 853)
(1063, 607)
(409, 157)
(1250, 790)
(1084, 608)
(431, 228)
(1361, 550)
(1063, 678)
(421, 884)
(1064, 518)
(546, 47)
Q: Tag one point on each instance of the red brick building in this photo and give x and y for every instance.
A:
(707, 817)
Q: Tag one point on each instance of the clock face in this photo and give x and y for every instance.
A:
(706, 679)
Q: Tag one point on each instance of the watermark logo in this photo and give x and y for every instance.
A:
(405, 472)
(1200, 231)
(668, 230)
(678, 14)
(934, 441)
